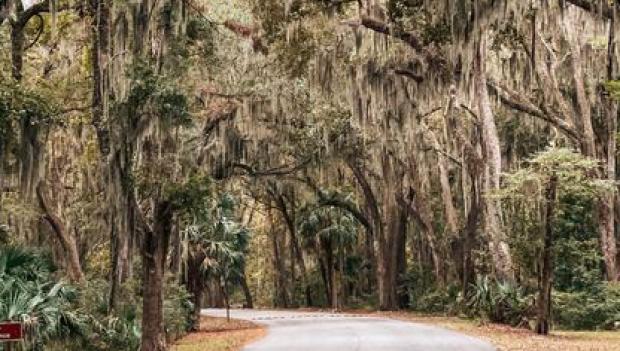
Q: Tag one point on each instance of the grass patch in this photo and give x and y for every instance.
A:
(217, 334)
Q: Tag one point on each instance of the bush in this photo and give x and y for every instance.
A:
(499, 302)
(177, 309)
(596, 308)
(29, 293)
(121, 330)
(443, 300)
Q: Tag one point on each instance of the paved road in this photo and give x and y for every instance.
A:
(310, 331)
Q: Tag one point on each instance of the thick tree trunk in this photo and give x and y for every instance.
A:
(66, 237)
(546, 279)
(499, 248)
(154, 251)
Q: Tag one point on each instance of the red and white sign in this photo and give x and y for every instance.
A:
(11, 331)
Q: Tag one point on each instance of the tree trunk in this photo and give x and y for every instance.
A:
(297, 253)
(375, 233)
(17, 46)
(608, 210)
(154, 260)
(196, 286)
(499, 248)
(176, 254)
(469, 240)
(100, 32)
(325, 278)
(544, 294)
(330, 262)
(400, 259)
(66, 237)
(249, 302)
(281, 299)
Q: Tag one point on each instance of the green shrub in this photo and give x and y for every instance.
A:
(499, 302)
(121, 329)
(596, 308)
(177, 309)
(443, 300)
(29, 293)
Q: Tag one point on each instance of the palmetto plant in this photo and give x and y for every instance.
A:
(331, 232)
(498, 301)
(29, 294)
(221, 239)
(216, 245)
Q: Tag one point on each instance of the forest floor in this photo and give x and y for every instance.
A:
(217, 334)
(507, 338)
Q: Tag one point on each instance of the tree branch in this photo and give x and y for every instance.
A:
(325, 200)
(519, 103)
(410, 38)
(39, 32)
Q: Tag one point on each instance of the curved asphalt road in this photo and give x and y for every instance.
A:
(315, 331)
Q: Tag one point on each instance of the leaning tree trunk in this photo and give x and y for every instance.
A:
(375, 231)
(499, 248)
(66, 237)
(546, 279)
(154, 251)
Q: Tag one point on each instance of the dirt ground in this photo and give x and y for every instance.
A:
(217, 334)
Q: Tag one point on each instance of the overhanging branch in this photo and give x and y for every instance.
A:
(520, 103)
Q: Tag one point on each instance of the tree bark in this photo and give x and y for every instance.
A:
(66, 237)
(249, 302)
(17, 44)
(469, 239)
(499, 248)
(281, 295)
(297, 253)
(196, 286)
(100, 32)
(154, 251)
(374, 227)
(546, 280)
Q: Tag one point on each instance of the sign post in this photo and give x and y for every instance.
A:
(11, 332)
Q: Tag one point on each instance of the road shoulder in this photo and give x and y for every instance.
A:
(217, 334)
